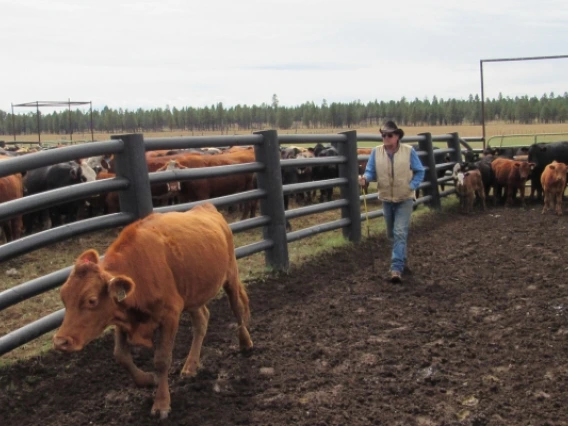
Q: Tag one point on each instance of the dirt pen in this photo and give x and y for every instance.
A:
(478, 335)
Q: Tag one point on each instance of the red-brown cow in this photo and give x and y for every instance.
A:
(468, 183)
(165, 194)
(11, 188)
(511, 175)
(239, 148)
(553, 181)
(202, 189)
(363, 163)
(158, 267)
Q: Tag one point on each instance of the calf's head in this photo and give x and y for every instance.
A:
(306, 170)
(524, 169)
(92, 299)
(169, 166)
(559, 170)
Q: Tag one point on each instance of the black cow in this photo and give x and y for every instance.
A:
(328, 171)
(469, 157)
(506, 152)
(53, 177)
(439, 158)
(289, 174)
(487, 173)
(542, 154)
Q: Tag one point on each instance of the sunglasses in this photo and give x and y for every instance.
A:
(387, 135)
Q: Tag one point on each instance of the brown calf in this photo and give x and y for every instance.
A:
(553, 181)
(467, 185)
(11, 188)
(158, 267)
(363, 163)
(511, 175)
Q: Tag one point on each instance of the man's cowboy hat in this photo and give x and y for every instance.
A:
(391, 127)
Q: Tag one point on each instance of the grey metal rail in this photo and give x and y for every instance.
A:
(51, 236)
(204, 172)
(316, 208)
(152, 144)
(30, 332)
(307, 138)
(226, 200)
(247, 250)
(308, 186)
(54, 156)
(313, 230)
(33, 288)
(46, 199)
(245, 225)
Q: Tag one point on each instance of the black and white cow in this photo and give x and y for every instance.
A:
(52, 177)
(542, 154)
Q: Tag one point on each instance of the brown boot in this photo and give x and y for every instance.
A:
(395, 277)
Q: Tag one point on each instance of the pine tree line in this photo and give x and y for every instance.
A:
(546, 109)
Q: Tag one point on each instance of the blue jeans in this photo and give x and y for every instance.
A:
(397, 219)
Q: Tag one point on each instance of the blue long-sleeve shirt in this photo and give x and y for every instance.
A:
(415, 164)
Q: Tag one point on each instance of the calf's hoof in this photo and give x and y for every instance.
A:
(246, 345)
(145, 380)
(161, 409)
(188, 371)
(245, 342)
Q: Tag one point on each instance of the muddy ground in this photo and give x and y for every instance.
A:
(478, 335)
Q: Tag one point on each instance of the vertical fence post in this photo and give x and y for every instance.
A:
(454, 143)
(431, 175)
(351, 192)
(131, 164)
(270, 180)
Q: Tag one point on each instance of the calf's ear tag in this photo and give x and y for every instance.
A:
(120, 294)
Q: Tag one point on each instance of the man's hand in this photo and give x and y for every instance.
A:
(362, 181)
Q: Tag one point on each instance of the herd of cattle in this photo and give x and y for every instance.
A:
(507, 170)
(499, 169)
(95, 168)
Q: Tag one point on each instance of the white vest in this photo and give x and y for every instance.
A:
(393, 177)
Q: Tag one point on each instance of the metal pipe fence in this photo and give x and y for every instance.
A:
(133, 182)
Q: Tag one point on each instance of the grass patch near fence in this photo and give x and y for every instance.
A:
(63, 254)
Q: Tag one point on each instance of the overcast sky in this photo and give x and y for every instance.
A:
(130, 54)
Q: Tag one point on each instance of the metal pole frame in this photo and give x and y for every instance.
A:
(39, 104)
(92, 131)
(70, 123)
(431, 174)
(350, 192)
(530, 58)
(13, 122)
(270, 180)
(38, 124)
(131, 163)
